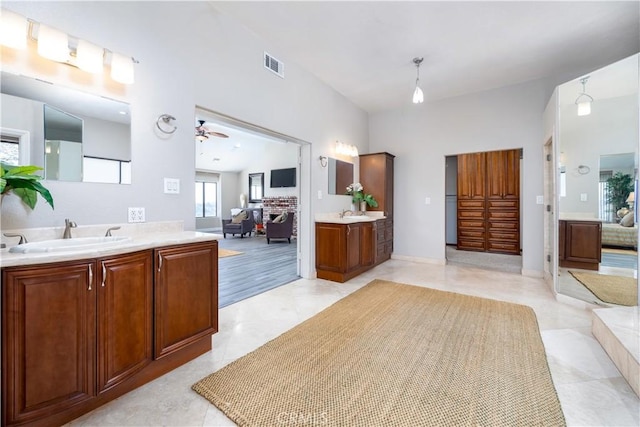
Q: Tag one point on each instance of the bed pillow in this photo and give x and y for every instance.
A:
(627, 221)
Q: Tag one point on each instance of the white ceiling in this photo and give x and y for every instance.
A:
(365, 49)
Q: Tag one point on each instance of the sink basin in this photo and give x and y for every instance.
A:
(356, 217)
(75, 244)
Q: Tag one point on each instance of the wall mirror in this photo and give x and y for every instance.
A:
(598, 176)
(256, 187)
(104, 151)
(340, 176)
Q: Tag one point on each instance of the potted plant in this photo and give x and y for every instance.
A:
(618, 188)
(359, 197)
(24, 183)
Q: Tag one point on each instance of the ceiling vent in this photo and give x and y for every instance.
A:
(273, 65)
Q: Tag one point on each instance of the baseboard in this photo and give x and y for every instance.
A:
(419, 259)
(532, 273)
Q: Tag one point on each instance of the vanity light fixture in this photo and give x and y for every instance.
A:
(418, 95)
(583, 101)
(16, 30)
(13, 30)
(346, 149)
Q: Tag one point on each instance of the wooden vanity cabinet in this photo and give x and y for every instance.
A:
(580, 244)
(186, 303)
(78, 334)
(48, 340)
(344, 251)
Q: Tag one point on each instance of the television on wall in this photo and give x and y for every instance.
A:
(283, 178)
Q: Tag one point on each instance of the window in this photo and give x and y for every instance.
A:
(10, 150)
(206, 199)
(606, 211)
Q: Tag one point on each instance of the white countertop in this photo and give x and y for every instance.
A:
(138, 242)
(334, 217)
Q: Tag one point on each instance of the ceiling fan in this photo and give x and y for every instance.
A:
(202, 133)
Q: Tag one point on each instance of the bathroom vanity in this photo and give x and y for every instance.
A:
(79, 330)
(349, 246)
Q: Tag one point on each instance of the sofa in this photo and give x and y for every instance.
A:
(239, 226)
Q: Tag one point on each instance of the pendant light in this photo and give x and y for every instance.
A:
(418, 96)
(583, 101)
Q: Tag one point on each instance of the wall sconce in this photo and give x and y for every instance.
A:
(323, 161)
(346, 149)
(58, 46)
(583, 101)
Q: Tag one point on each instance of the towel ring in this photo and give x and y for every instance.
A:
(166, 122)
(583, 169)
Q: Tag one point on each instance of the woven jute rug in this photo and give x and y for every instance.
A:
(395, 355)
(612, 289)
(227, 252)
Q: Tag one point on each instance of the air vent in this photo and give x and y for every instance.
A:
(273, 65)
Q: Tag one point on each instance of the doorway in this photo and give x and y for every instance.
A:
(249, 264)
(478, 233)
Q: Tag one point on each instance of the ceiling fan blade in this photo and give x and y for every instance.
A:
(218, 134)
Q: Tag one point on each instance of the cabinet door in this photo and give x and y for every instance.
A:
(186, 295)
(354, 237)
(471, 176)
(125, 317)
(503, 175)
(583, 241)
(368, 244)
(48, 339)
(331, 247)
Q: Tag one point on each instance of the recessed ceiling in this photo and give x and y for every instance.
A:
(364, 50)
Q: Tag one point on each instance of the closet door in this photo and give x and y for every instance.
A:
(503, 201)
(471, 201)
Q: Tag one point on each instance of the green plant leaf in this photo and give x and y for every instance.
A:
(46, 195)
(3, 184)
(28, 196)
(21, 170)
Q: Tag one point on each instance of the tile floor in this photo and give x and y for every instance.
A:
(591, 390)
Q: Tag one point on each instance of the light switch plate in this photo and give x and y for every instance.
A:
(136, 215)
(171, 186)
(319, 194)
(583, 197)
(427, 200)
(540, 200)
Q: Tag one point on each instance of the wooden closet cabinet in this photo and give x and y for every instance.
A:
(489, 201)
(344, 251)
(376, 176)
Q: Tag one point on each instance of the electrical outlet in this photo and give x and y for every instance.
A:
(136, 215)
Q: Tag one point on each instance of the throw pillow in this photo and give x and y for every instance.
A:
(237, 219)
(284, 217)
(622, 212)
(278, 218)
(627, 221)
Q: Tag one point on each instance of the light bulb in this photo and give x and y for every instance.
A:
(13, 30)
(418, 96)
(53, 44)
(584, 108)
(89, 57)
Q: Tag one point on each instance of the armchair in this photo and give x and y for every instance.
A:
(280, 230)
(243, 227)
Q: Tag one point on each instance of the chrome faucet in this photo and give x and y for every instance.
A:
(344, 211)
(68, 225)
(21, 236)
(109, 230)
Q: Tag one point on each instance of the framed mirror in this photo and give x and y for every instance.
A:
(340, 176)
(256, 187)
(34, 107)
(598, 180)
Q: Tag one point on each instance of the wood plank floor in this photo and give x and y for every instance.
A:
(259, 268)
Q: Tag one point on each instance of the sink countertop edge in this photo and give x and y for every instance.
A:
(137, 243)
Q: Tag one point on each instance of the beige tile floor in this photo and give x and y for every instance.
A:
(591, 390)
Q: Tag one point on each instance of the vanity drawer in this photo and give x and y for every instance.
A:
(470, 224)
(504, 215)
(471, 232)
(509, 247)
(470, 204)
(503, 235)
(471, 244)
(503, 204)
(470, 214)
(503, 226)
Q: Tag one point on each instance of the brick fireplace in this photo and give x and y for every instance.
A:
(278, 205)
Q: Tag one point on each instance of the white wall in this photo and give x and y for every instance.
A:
(422, 135)
(190, 54)
(611, 128)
